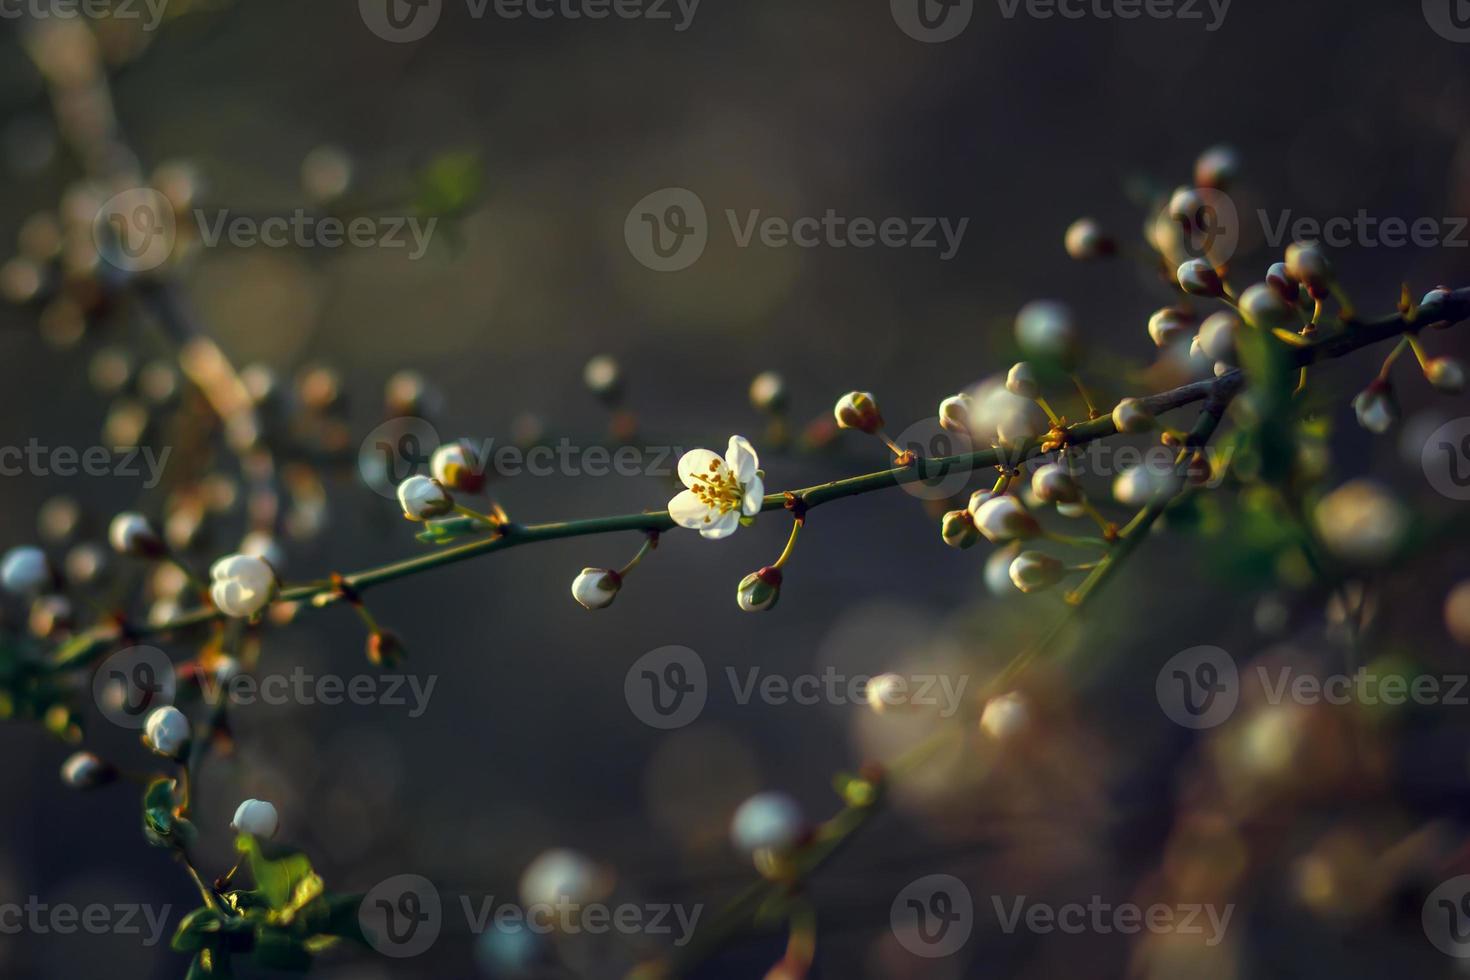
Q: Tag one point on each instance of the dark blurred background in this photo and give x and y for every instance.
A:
(1020, 125)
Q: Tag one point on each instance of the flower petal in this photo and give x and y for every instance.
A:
(687, 510)
(699, 462)
(755, 495)
(721, 527)
(741, 458)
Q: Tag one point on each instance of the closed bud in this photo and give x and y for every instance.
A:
(1086, 241)
(596, 588)
(1046, 329)
(858, 410)
(1005, 716)
(768, 393)
(133, 534)
(957, 529)
(1054, 485)
(258, 818)
(166, 732)
(954, 413)
(1216, 338)
(1264, 308)
(759, 591)
(83, 770)
(1032, 571)
(1021, 380)
(1198, 278)
(24, 571)
(1308, 265)
(1281, 281)
(767, 821)
(385, 649)
(1217, 167)
(977, 500)
(1004, 518)
(456, 466)
(603, 377)
(422, 498)
(1130, 415)
(1137, 485)
(1185, 207)
(1376, 407)
(1445, 374)
(1169, 325)
(242, 585)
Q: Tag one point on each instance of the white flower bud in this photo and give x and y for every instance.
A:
(1376, 407)
(954, 413)
(166, 732)
(1435, 296)
(561, 876)
(1216, 339)
(1003, 518)
(603, 377)
(132, 534)
(977, 500)
(1198, 278)
(83, 770)
(1185, 206)
(24, 571)
(759, 591)
(456, 466)
(769, 821)
(1137, 485)
(1032, 571)
(263, 545)
(768, 392)
(258, 818)
(957, 528)
(1022, 381)
(1308, 265)
(1005, 716)
(1280, 279)
(1217, 167)
(1046, 329)
(1086, 241)
(1446, 374)
(998, 570)
(422, 498)
(887, 692)
(1071, 510)
(242, 585)
(1361, 522)
(1264, 308)
(1170, 325)
(1054, 485)
(1130, 415)
(596, 588)
(858, 410)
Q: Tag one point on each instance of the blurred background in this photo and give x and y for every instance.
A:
(1325, 826)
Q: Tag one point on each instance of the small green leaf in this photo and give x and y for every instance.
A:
(277, 870)
(279, 950)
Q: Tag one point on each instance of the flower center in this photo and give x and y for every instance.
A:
(718, 489)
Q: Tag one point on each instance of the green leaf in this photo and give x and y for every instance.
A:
(160, 825)
(278, 871)
(450, 184)
(279, 950)
(197, 930)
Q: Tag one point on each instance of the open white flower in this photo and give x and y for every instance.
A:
(241, 585)
(721, 491)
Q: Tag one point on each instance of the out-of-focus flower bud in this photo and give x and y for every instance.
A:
(457, 466)
(1263, 307)
(1033, 571)
(768, 392)
(1307, 263)
(1169, 325)
(1086, 241)
(769, 821)
(603, 377)
(1217, 167)
(83, 770)
(133, 534)
(24, 571)
(1445, 374)
(1361, 522)
(1005, 716)
(954, 413)
(1130, 415)
(384, 649)
(1137, 485)
(1004, 518)
(1198, 278)
(1054, 485)
(1046, 329)
(1376, 407)
(1281, 281)
(887, 692)
(1021, 380)
(1216, 337)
